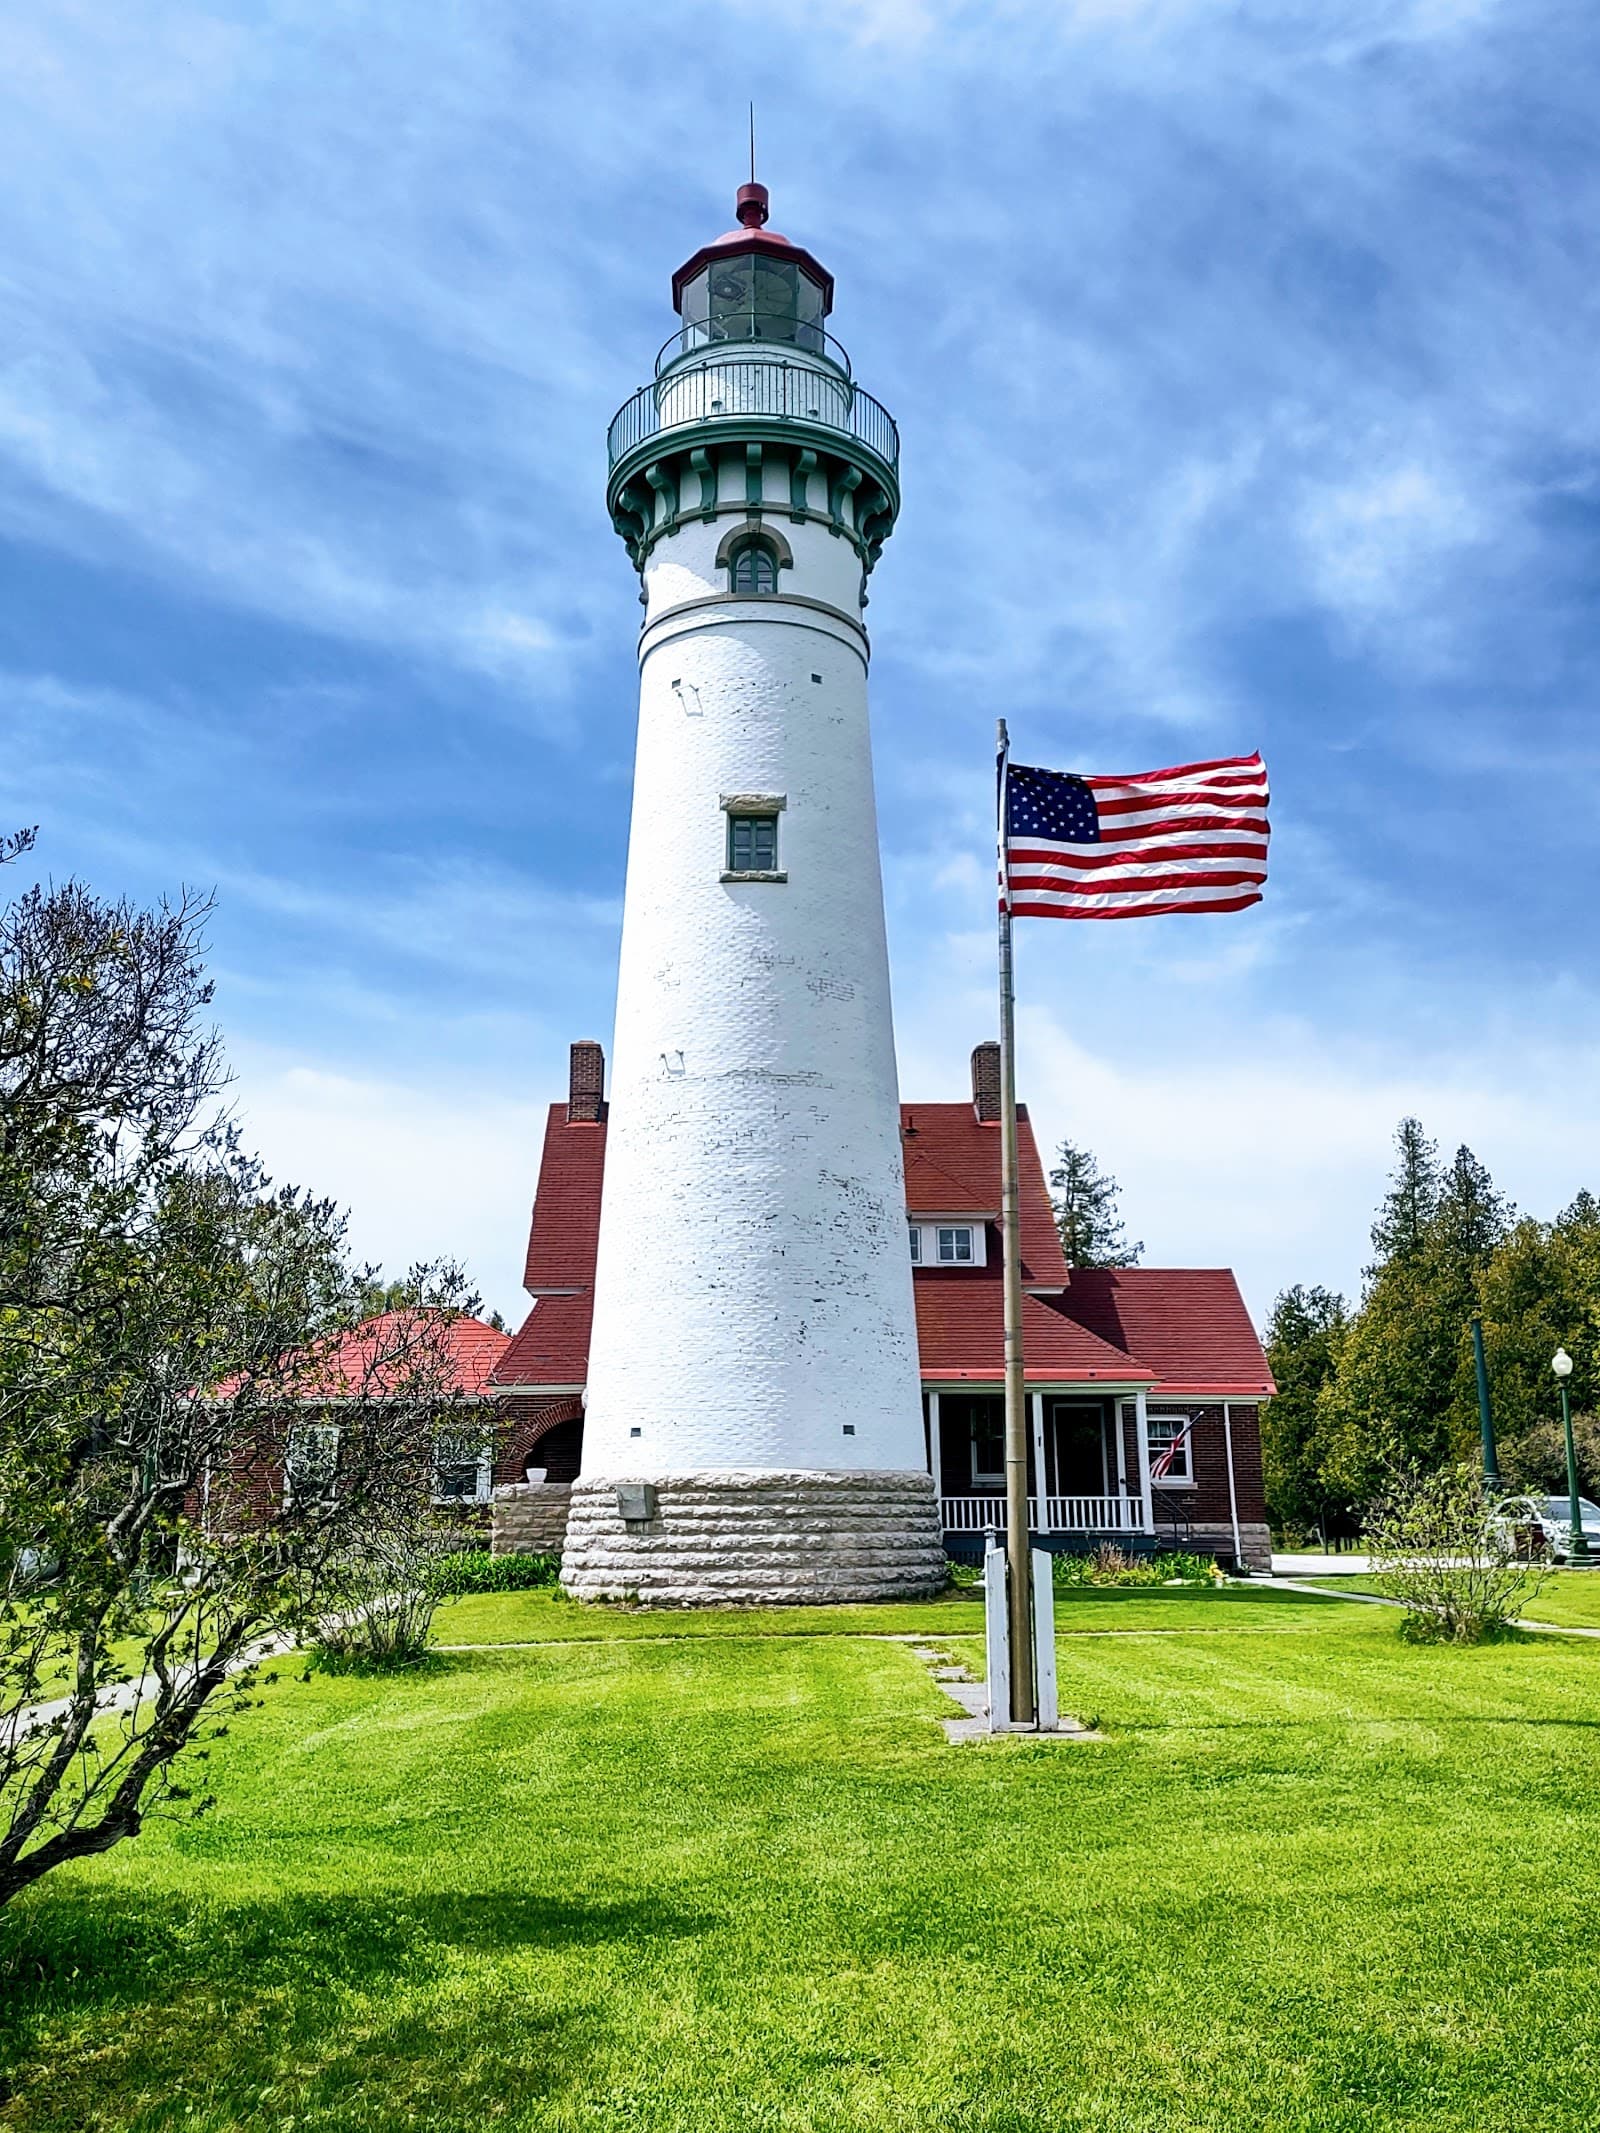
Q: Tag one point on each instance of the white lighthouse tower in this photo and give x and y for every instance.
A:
(753, 1428)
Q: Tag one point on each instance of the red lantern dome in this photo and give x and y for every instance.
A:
(752, 284)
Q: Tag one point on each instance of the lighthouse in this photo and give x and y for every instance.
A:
(753, 1428)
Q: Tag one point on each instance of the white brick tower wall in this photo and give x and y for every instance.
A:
(753, 1365)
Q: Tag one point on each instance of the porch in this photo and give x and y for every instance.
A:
(1087, 1457)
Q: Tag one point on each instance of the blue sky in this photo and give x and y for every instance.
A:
(1244, 362)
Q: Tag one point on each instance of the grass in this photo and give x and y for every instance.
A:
(690, 1875)
(1568, 1598)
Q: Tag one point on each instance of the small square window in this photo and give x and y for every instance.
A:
(955, 1247)
(753, 844)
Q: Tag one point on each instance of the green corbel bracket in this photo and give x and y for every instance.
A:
(752, 478)
(875, 522)
(848, 482)
(660, 479)
(632, 521)
(700, 460)
(801, 468)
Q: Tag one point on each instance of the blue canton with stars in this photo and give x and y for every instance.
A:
(1050, 805)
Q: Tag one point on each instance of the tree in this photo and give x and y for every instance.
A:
(190, 1437)
(1399, 1395)
(1303, 1336)
(1413, 1195)
(1085, 1202)
(1539, 1291)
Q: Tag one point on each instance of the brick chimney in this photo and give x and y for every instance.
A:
(586, 1085)
(986, 1083)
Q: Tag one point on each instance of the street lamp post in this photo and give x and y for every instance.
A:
(1577, 1542)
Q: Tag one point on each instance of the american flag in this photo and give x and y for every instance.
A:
(1162, 1465)
(1189, 839)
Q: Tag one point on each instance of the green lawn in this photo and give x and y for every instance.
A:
(668, 1872)
(1569, 1598)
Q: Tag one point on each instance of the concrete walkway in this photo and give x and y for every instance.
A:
(1319, 1566)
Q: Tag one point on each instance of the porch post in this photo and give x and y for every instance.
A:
(1233, 1500)
(1141, 1417)
(1117, 1407)
(1041, 1483)
(935, 1453)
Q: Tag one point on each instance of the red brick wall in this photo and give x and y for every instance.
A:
(1206, 1503)
(529, 1419)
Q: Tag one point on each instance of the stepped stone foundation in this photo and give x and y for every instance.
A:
(749, 1537)
(530, 1517)
(1256, 1542)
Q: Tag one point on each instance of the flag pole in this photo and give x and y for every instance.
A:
(1018, 1556)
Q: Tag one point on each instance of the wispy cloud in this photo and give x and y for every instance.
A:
(1241, 358)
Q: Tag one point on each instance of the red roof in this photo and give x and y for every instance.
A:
(953, 1168)
(564, 1232)
(552, 1347)
(398, 1351)
(1184, 1332)
(751, 208)
(961, 1334)
(1189, 1324)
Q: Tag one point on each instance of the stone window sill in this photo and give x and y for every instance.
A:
(730, 874)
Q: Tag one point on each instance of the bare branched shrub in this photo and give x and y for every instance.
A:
(200, 1429)
(1439, 1545)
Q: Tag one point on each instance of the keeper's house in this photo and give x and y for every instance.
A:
(1121, 1365)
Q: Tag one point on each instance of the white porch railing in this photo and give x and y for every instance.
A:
(1062, 1514)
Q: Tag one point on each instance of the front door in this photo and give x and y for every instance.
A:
(1080, 1447)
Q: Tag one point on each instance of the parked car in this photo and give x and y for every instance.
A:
(1550, 1519)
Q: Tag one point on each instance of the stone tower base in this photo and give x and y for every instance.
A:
(749, 1537)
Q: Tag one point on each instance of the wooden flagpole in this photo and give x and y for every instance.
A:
(1018, 1556)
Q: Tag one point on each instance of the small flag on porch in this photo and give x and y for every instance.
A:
(1162, 1465)
(1193, 838)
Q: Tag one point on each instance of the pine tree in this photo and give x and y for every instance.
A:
(1085, 1202)
(1411, 1200)
(1403, 1389)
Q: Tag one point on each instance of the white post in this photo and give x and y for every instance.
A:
(1041, 1486)
(1122, 1449)
(1141, 1417)
(1044, 1641)
(996, 1641)
(935, 1458)
(1233, 1500)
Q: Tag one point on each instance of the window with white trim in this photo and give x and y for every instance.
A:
(462, 1468)
(955, 1244)
(916, 1245)
(1165, 1432)
(988, 1444)
(311, 1463)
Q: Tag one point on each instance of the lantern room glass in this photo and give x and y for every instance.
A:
(751, 298)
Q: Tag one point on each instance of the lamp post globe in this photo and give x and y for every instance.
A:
(1577, 1541)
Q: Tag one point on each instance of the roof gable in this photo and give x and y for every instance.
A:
(952, 1163)
(1188, 1323)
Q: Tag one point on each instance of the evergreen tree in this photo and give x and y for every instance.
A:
(1402, 1391)
(1085, 1202)
(1413, 1195)
(1303, 1336)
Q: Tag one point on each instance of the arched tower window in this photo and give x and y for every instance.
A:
(752, 554)
(755, 568)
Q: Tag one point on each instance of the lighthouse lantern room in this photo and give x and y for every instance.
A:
(753, 1427)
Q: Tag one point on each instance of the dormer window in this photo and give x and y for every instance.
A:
(948, 1244)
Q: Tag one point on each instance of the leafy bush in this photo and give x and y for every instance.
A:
(1438, 1544)
(476, 1570)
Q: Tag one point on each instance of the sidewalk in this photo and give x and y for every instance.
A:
(1319, 1566)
